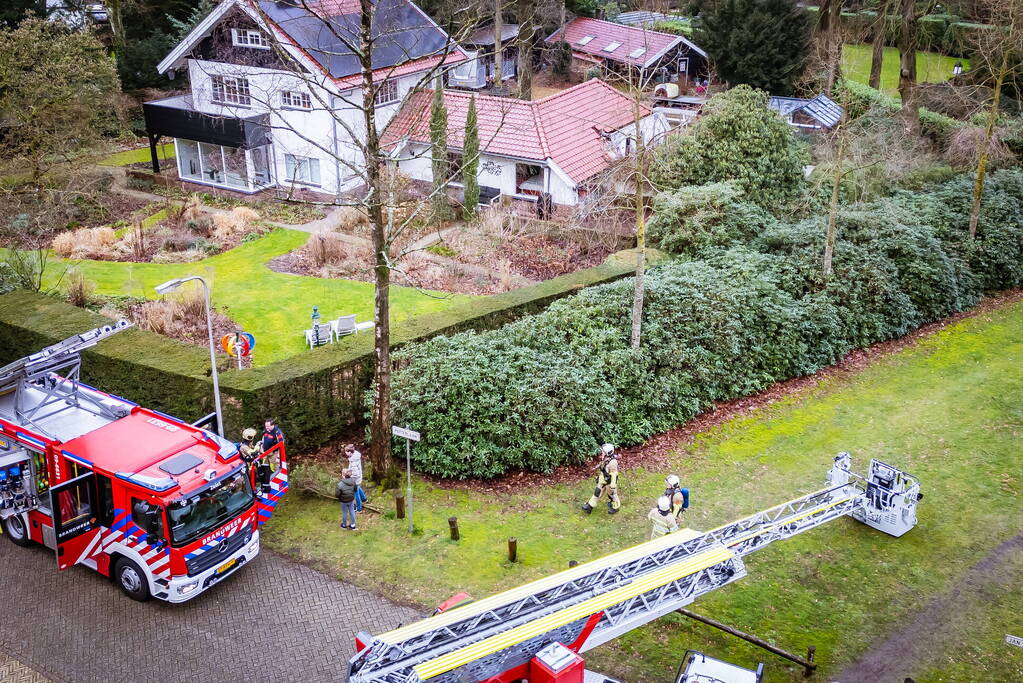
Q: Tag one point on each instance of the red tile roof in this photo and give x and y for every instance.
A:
(565, 127)
(605, 32)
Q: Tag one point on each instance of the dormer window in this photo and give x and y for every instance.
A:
(585, 39)
(612, 46)
(638, 52)
(246, 37)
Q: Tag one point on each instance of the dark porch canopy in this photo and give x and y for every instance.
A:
(176, 117)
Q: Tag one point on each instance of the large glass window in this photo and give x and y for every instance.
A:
(208, 509)
(305, 170)
(230, 90)
(212, 163)
(235, 168)
(148, 517)
(189, 165)
(296, 100)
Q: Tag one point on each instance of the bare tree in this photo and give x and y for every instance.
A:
(879, 31)
(367, 167)
(998, 56)
(829, 37)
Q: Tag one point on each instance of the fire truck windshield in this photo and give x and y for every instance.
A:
(208, 509)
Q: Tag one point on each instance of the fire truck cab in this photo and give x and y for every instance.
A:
(164, 508)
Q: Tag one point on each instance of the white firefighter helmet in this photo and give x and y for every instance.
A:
(607, 449)
(663, 504)
(248, 433)
(672, 481)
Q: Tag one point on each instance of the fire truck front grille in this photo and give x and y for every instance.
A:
(215, 556)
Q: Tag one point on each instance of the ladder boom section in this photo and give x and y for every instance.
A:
(33, 393)
(595, 602)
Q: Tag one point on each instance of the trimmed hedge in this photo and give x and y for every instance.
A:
(546, 390)
(862, 97)
(314, 396)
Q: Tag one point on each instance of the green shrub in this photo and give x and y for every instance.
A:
(739, 139)
(546, 390)
(674, 26)
(693, 217)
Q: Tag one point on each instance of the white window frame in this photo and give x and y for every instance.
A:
(612, 46)
(292, 99)
(300, 170)
(249, 37)
(585, 39)
(230, 90)
(387, 93)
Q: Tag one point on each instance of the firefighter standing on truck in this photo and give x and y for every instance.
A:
(607, 478)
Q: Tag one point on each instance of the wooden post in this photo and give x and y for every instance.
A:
(153, 139)
(572, 563)
(808, 664)
(513, 549)
(811, 652)
(453, 524)
(399, 502)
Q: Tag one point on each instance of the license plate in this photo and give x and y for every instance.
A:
(226, 566)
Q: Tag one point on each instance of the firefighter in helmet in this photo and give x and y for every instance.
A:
(661, 518)
(607, 478)
(250, 450)
(678, 496)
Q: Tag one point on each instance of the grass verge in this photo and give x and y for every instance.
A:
(931, 67)
(947, 410)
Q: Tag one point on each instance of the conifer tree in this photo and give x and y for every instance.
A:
(471, 163)
(762, 43)
(439, 154)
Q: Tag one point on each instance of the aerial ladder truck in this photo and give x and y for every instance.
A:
(535, 632)
(165, 508)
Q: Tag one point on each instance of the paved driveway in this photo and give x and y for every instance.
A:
(272, 621)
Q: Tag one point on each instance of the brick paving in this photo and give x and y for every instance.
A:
(274, 620)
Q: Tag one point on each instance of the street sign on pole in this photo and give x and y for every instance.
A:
(405, 433)
(409, 437)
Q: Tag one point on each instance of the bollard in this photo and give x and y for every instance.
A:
(572, 563)
(399, 502)
(453, 524)
(811, 652)
(513, 549)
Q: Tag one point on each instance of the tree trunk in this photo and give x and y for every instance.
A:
(877, 48)
(380, 426)
(907, 67)
(524, 12)
(836, 178)
(833, 42)
(985, 150)
(498, 47)
(637, 295)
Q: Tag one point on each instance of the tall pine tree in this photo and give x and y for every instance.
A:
(471, 163)
(439, 154)
(762, 43)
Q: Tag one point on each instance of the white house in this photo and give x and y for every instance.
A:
(557, 145)
(277, 90)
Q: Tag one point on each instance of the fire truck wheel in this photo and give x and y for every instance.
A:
(14, 527)
(132, 580)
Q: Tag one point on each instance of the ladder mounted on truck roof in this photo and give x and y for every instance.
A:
(51, 378)
(590, 604)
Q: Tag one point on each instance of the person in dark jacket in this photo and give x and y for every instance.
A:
(272, 435)
(345, 492)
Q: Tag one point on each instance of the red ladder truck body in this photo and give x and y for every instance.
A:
(166, 508)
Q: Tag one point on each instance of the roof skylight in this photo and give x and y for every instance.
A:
(638, 52)
(612, 46)
(585, 39)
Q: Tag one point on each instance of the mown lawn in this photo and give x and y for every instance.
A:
(275, 307)
(140, 155)
(947, 410)
(931, 67)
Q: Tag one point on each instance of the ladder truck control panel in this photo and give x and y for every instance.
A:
(537, 631)
(165, 508)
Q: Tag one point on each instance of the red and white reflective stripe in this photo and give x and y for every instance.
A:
(93, 544)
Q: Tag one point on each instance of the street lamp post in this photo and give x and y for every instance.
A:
(172, 285)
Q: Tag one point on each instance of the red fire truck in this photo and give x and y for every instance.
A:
(164, 508)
